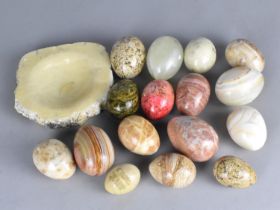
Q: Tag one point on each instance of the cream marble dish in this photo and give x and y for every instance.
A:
(63, 85)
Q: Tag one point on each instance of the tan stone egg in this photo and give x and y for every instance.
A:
(173, 170)
(128, 57)
(138, 135)
(122, 179)
(231, 171)
(53, 159)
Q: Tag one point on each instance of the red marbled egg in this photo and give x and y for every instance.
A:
(157, 99)
(193, 137)
(192, 94)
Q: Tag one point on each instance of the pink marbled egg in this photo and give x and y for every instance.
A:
(192, 94)
(193, 137)
(157, 99)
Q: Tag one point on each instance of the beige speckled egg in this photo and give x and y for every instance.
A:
(128, 57)
(122, 179)
(231, 171)
(53, 159)
(241, 52)
(173, 170)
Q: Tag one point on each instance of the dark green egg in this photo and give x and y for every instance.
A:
(123, 98)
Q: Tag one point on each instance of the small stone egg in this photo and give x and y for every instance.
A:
(239, 86)
(157, 99)
(200, 55)
(193, 137)
(123, 98)
(247, 128)
(165, 57)
(231, 171)
(122, 179)
(139, 135)
(173, 170)
(93, 150)
(128, 57)
(241, 52)
(53, 159)
(192, 94)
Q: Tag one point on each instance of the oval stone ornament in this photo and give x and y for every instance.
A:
(231, 171)
(193, 137)
(122, 179)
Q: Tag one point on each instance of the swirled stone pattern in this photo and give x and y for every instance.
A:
(193, 137)
(93, 150)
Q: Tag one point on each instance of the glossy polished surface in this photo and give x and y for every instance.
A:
(192, 94)
(128, 57)
(247, 128)
(123, 98)
(231, 171)
(193, 137)
(138, 135)
(122, 179)
(53, 159)
(93, 150)
(173, 170)
(239, 86)
(241, 52)
(165, 57)
(157, 99)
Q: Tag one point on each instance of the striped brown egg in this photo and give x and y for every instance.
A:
(93, 150)
(192, 94)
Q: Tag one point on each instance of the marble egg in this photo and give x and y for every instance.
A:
(128, 57)
(93, 150)
(173, 170)
(231, 171)
(193, 137)
(138, 135)
(239, 86)
(122, 179)
(241, 52)
(157, 99)
(165, 57)
(247, 128)
(192, 94)
(53, 159)
(200, 55)
(123, 98)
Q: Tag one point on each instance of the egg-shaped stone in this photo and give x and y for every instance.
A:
(122, 179)
(200, 55)
(138, 135)
(53, 159)
(165, 57)
(93, 150)
(173, 170)
(241, 52)
(239, 86)
(123, 98)
(157, 99)
(247, 128)
(192, 94)
(193, 137)
(128, 57)
(231, 171)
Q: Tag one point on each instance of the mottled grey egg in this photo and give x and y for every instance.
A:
(128, 57)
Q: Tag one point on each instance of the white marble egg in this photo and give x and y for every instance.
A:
(239, 86)
(200, 55)
(247, 128)
(53, 159)
(165, 57)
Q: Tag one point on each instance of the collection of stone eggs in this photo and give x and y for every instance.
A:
(64, 85)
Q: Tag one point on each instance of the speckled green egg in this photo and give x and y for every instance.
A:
(231, 171)
(123, 98)
(128, 57)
